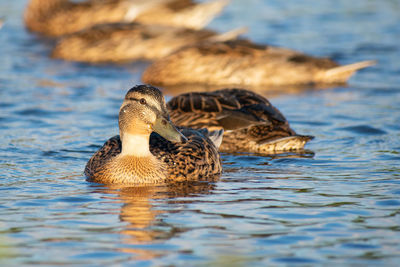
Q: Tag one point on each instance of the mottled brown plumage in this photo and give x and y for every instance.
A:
(152, 159)
(250, 122)
(183, 13)
(60, 17)
(121, 42)
(243, 63)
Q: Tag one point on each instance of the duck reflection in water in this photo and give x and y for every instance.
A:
(144, 227)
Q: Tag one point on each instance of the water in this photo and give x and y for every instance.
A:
(338, 204)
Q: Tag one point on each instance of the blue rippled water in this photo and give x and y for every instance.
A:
(336, 204)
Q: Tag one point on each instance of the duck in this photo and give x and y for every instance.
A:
(121, 42)
(183, 13)
(54, 18)
(242, 63)
(250, 122)
(150, 150)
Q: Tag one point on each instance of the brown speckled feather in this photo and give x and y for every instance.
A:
(242, 62)
(110, 149)
(195, 160)
(186, 13)
(250, 122)
(120, 42)
(60, 17)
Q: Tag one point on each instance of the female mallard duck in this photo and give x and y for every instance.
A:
(183, 13)
(243, 63)
(250, 122)
(131, 41)
(136, 157)
(59, 17)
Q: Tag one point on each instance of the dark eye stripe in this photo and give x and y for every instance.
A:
(151, 107)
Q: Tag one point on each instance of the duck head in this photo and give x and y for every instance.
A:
(142, 112)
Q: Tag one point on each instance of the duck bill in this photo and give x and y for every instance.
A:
(166, 129)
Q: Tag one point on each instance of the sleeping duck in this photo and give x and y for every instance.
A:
(243, 63)
(60, 17)
(250, 122)
(150, 149)
(120, 42)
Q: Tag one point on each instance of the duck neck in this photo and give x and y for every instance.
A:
(136, 145)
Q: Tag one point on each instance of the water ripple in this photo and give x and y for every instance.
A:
(363, 130)
(335, 203)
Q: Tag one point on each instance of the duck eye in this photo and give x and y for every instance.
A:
(164, 122)
(142, 101)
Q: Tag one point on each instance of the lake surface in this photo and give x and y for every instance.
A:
(337, 204)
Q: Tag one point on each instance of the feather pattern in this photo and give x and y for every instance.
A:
(196, 160)
(187, 155)
(250, 121)
(60, 17)
(241, 62)
(119, 42)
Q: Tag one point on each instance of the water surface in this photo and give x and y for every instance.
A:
(337, 204)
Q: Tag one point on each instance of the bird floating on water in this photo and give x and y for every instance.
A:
(150, 149)
(243, 63)
(121, 42)
(250, 122)
(60, 17)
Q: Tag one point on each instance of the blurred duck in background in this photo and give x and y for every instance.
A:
(250, 122)
(60, 17)
(123, 42)
(183, 13)
(243, 63)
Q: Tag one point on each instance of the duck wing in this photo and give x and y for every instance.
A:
(196, 159)
(110, 149)
(230, 109)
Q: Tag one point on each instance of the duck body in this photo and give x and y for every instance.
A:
(119, 42)
(250, 122)
(195, 161)
(240, 62)
(59, 17)
(140, 156)
(183, 13)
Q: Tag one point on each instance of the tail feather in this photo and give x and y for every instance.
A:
(216, 137)
(287, 143)
(342, 73)
(205, 12)
(135, 8)
(229, 35)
